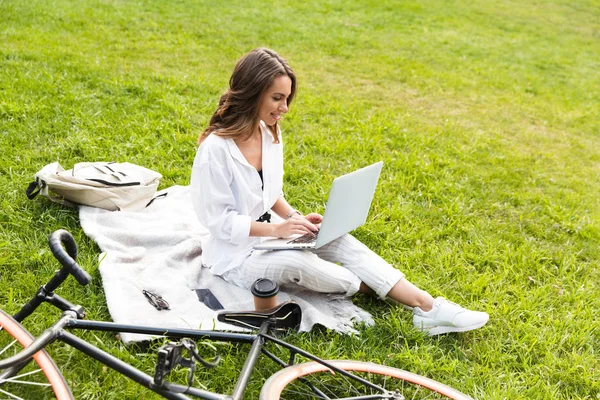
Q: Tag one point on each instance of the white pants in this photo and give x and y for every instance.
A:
(318, 269)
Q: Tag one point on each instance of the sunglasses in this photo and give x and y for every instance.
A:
(156, 300)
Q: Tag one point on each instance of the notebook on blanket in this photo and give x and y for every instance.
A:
(159, 250)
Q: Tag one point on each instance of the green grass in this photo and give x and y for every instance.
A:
(486, 115)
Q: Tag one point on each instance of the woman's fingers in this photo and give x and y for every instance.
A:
(314, 218)
(300, 229)
(296, 225)
(304, 222)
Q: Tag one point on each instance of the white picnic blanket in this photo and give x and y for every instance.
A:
(159, 250)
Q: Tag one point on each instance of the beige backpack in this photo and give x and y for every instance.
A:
(108, 185)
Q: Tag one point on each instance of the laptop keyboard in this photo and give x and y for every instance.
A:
(306, 238)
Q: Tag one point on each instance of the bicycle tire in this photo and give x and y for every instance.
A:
(290, 381)
(51, 373)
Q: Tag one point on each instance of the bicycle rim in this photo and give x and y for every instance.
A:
(313, 380)
(40, 378)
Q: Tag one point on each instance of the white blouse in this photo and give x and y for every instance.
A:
(227, 196)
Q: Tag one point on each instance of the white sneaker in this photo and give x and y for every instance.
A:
(447, 317)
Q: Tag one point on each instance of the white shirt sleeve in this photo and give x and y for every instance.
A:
(215, 203)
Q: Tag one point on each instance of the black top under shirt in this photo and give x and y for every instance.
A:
(266, 217)
(261, 179)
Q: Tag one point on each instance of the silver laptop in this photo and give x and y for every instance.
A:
(347, 208)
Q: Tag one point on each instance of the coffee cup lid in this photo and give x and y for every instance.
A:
(264, 288)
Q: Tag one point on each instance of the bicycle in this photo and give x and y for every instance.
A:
(28, 366)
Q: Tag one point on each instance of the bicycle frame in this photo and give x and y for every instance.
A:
(168, 390)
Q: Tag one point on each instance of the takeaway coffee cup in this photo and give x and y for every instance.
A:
(265, 294)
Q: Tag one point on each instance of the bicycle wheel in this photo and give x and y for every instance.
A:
(38, 379)
(313, 380)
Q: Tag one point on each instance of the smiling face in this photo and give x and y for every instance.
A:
(274, 102)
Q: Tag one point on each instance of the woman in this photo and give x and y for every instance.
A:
(237, 178)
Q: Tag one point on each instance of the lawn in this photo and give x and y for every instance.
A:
(486, 115)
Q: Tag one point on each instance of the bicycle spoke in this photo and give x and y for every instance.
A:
(10, 395)
(7, 347)
(26, 382)
(16, 379)
(22, 375)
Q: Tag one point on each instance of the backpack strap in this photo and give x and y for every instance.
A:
(31, 191)
(40, 187)
(156, 197)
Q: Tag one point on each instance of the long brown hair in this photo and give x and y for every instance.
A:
(237, 114)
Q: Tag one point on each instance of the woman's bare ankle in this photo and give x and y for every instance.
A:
(407, 293)
(365, 289)
(426, 303)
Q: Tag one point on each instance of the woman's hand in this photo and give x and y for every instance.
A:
(315, 219)
(297, 224)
